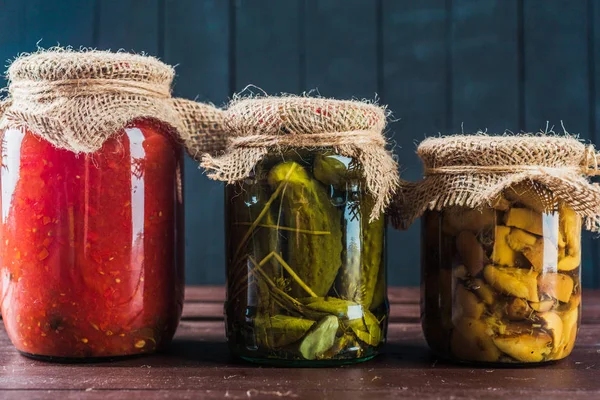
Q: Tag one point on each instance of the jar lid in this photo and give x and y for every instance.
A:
(64, 64)
(473, 171)
(480, 150)
(257, 126)
(76, 100)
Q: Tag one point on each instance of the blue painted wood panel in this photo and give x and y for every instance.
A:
(270, 57)
(415, 86)
(556, 82)
(485, 66)
(440, 65)
(196, 40)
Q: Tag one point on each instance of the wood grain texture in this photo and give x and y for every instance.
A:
(131, 25)
(594, 87)
(11, 33)
(341, 48)
(492, 64)
(414, 85)
(196, 41)
(198, 364)
(268, 46)
(485, 66)
(52, 23)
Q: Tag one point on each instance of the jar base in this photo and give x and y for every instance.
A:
(79, 360)
(306, 363)
(494, 364)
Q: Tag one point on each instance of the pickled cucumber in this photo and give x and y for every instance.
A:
(320, 339)
(306, 276)
(358, 279)
(280, 330)
(315, 259)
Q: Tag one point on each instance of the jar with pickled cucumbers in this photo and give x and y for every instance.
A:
(502, 284)
(306, 270)
(308, 182)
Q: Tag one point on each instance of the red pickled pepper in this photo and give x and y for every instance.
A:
(90, 263)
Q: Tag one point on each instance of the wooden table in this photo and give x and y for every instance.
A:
(198, 365)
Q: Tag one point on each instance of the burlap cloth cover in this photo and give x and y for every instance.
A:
(78, 99)
(257, 126)
(472, 171)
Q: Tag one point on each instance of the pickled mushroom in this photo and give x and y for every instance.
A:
(458, 219)
(502, 254)
(470, 341)
(569, 263)
(543, 255)
(482, 290)
(519, 240)
(525, 347)
(542, 306)
(570, 320)
(471, 252)
(554, 324)
(460, 271)
(570, 224)
(556, 285)
(514, 281)
(466, 304)
(526, 219)
(517, 309)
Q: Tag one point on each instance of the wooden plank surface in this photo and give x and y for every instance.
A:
(198, 364)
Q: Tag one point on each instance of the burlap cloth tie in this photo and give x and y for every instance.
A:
(258, 126)
(472, 171)
(76, 100)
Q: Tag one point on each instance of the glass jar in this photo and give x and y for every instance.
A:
(306, 281)
(90, 245)
(502, 284)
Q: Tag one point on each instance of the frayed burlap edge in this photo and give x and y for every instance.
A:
(76, 100)
(478, 188)
(259, 126)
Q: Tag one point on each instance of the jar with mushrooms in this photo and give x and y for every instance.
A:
(502, 284)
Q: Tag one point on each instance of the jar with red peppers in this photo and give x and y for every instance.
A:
(91, 247)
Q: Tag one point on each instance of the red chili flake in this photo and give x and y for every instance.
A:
(43, 254)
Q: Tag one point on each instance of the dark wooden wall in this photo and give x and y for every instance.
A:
(442, 66)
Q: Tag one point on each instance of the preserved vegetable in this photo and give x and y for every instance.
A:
(91, 256)
(306, 271)
(502, 284)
